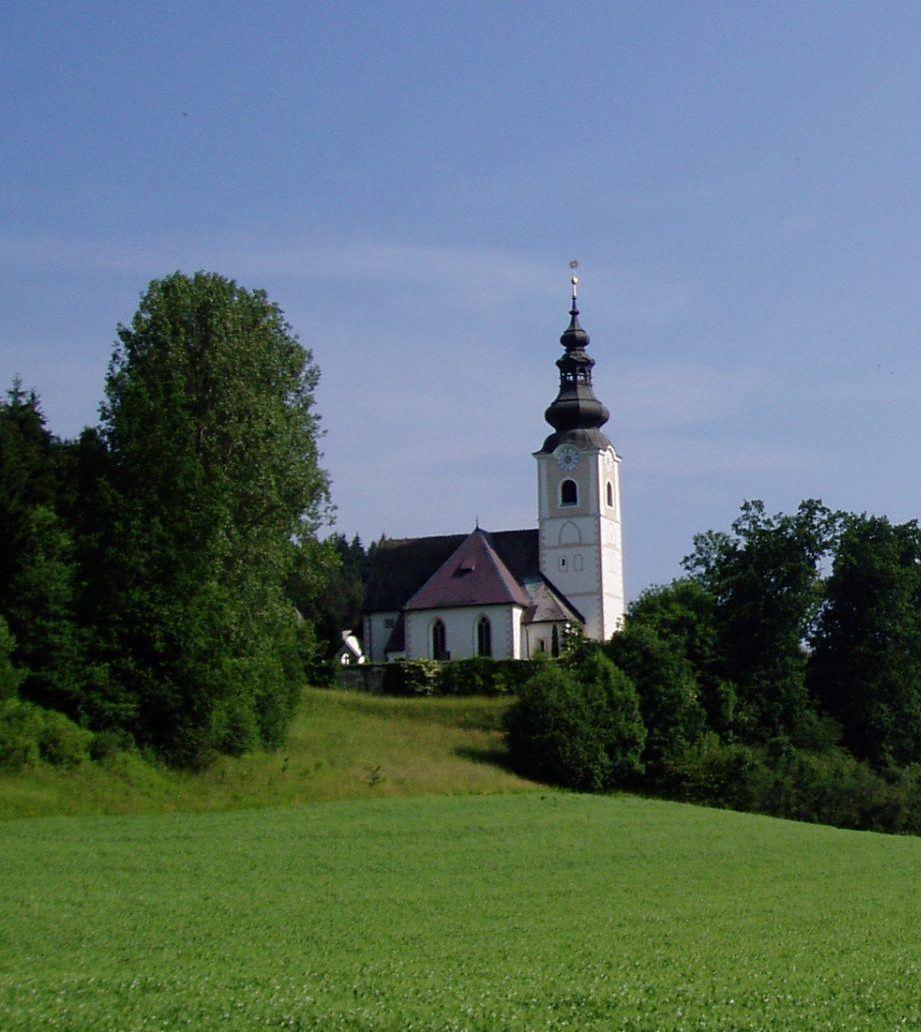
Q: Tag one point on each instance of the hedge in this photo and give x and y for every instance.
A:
(456, 677)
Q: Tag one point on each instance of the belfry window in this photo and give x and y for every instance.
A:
(569, 493)
(439, 643)
(483, 637)
(610, 493)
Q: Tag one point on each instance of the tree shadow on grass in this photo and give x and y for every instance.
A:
(496, 757)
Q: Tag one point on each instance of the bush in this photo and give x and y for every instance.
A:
(577, 724)
(467, 677)
(18, 734)
(459, 677)
(729, 776)
(107, 744)
(411, 677)
(30, 734)
(830, 787)
(481, 676)
(10, 676)
(61, 742)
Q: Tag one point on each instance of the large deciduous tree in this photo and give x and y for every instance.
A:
(866, 663)
(211, 430)
(766, 585)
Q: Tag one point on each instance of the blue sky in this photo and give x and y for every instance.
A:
(739, 181)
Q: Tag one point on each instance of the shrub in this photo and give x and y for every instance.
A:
(510, 675)
(18, 734)
(481, 676)
(411, 677)
(467, 677)
(107, 744)
(577, 724)
(30, 733)
(729, 776)
(60, 741)
(10, 675)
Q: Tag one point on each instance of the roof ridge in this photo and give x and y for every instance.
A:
(499, 565)
(493, 585)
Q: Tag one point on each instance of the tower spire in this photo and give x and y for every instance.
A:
(575, 407)
(578, 491)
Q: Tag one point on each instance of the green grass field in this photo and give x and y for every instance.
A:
(531, 911)
(404, 901)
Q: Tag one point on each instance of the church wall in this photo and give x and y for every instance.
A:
(377, 629)
(460, 626)
(537, 640)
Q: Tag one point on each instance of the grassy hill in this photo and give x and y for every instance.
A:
(541, 910)
(341, 746)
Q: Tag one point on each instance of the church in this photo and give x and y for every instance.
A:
(511, 594)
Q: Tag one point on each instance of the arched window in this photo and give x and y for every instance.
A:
(610, 491)
(569, 493)
(439, 644)
(483, 637)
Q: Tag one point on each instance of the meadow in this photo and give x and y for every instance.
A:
(533, 911)
(406, 900)
(341, 745)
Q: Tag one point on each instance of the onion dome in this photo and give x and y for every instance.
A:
(576, 412)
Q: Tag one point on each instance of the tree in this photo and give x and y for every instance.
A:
(328, 588)
(766, 586)
(42, 614)
(866, 662)
(668, 694)
(682, 615)
(39, 576)
(577, 723)
(214, 487)
(10, 674)
(30, 475)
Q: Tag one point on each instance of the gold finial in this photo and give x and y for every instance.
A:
(575, 279)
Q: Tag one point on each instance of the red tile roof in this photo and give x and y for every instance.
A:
(473, 575)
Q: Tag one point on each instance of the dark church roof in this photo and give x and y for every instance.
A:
(419, 573)
(401, 566)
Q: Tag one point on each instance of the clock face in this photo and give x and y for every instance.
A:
(567, 458)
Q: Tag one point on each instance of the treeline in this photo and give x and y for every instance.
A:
(781, 675)
(147, 566)
(330, 595)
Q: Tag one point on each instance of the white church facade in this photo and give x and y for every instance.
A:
(512, 594)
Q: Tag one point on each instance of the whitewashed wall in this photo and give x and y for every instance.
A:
(461, 631)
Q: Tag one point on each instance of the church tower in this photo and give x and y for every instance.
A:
(578, 492)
